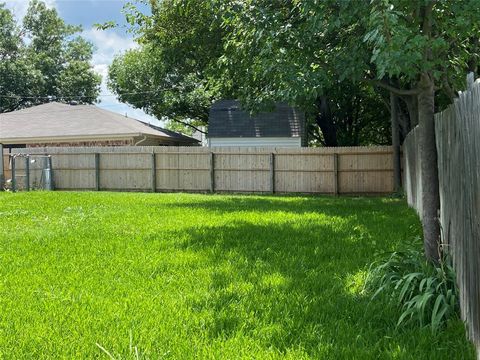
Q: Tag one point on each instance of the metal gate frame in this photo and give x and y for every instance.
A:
(47, 172)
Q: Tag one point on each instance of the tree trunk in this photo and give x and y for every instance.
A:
(324, 120)
(403, 118)
(412, 105)
(429, 169)
(397, 175)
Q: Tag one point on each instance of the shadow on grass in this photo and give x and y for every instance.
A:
(299, 205)
(290, 287)
(294, 282)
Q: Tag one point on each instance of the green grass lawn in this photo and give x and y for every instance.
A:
(177, 276)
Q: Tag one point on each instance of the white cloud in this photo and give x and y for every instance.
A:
(108, 44)
(19, 7)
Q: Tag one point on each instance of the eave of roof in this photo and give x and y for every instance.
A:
(33, 140)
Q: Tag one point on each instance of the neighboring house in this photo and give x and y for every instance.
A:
(57, 124)
(229, 125)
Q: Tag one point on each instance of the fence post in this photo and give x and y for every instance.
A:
(154, 173)
(272, 173)
(50, 170)
(335, 174)
(27, 173)
(212, 172)
(2, 169)
(97, 171)
(14, 182)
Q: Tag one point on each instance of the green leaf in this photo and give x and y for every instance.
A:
(438, 312)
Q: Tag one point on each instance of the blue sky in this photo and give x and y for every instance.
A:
(107, 43)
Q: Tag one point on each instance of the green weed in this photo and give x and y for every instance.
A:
(426, 293)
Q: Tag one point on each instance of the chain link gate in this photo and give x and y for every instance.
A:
(31, 172)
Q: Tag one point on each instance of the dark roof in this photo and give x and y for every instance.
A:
(227, 119)
(174, 134)
(54, 120)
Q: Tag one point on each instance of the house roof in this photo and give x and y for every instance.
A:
(173, 133)
(57, 120)
(227, 119)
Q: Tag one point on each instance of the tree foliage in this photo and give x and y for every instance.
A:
(43, 59)
(200, 51)
(140, 80)
(300, 52)
(175, 67)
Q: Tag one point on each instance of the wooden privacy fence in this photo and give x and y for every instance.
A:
(6, 167)
(348, 170)
(412, 181)
(457, 131)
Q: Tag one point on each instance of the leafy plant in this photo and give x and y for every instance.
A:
(426, 293)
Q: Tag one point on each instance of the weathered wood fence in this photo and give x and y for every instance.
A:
(348, 170)
(457, 131)
(5, 168)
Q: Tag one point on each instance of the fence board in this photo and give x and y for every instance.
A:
(304, 182)
(6, 165)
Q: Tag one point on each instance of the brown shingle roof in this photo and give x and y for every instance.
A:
(57, 120)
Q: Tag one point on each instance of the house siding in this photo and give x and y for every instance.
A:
(292, 142)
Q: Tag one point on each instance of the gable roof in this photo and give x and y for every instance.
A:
(227, 119)
(58, 120)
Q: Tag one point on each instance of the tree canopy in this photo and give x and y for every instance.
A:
(42, 59)
(194, 58)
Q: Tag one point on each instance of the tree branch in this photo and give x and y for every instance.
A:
(189, 125)
(448, 89)
(385, 103)
(393, 89)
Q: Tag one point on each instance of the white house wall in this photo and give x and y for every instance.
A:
(264, 141)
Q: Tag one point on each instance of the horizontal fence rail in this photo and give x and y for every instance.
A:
(342, 170)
